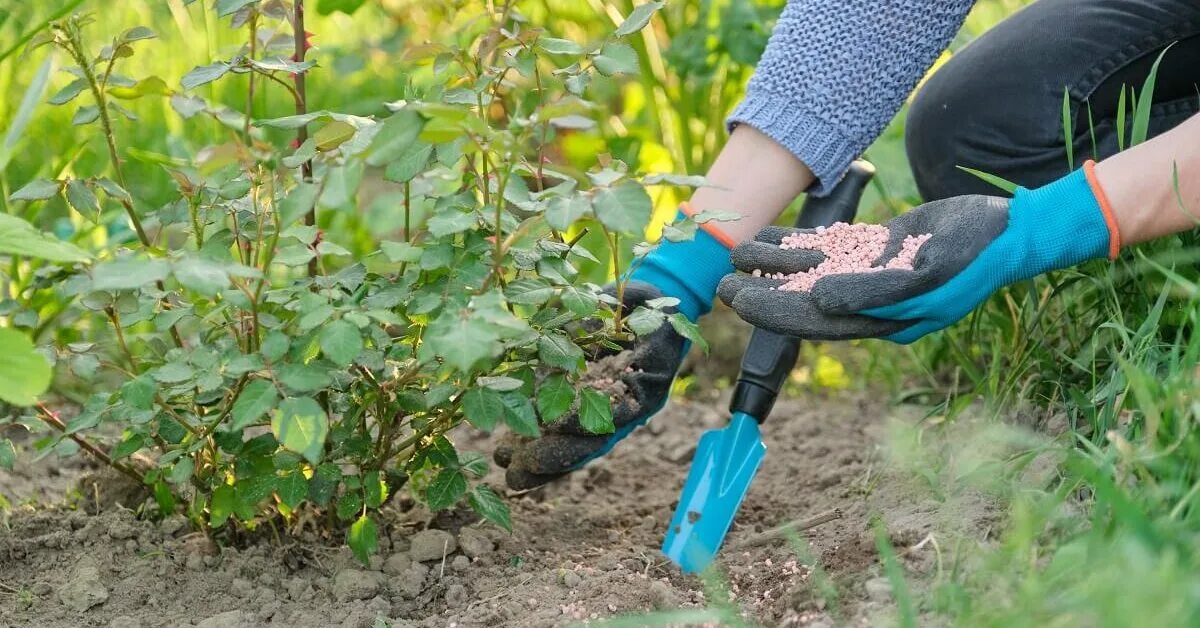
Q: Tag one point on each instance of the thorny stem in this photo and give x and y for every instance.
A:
(253, 25)
(51, 418)
(613, 244)
(115, 318)
(407, 212)
(306, 169)
(75, 49)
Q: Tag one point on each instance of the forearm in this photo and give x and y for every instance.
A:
(836, 71)
(1140, 184)
(753, 176)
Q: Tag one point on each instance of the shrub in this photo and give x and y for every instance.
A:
(268, 372)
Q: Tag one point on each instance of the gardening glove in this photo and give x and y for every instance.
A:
(975, 246)
(645, 369)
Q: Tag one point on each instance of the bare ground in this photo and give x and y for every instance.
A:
(584, 549)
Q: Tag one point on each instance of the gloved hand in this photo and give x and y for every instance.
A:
(977, 245)
(564, 445)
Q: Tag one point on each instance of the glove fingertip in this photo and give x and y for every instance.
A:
(522, 480)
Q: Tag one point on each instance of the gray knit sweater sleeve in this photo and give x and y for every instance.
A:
(836, 71)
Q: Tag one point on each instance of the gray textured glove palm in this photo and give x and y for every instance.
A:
(897, 304)
(564, 445)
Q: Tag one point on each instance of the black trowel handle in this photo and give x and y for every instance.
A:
(769, 356)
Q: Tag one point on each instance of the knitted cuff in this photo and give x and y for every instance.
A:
(815, 142)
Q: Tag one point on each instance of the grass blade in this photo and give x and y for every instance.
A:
(29, 102)
(1121, 120)
(1000, 182)
(1092, 133)
(1141, 116)
(895, 575)
(1068, 134)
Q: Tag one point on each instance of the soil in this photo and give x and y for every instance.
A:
(583, 548)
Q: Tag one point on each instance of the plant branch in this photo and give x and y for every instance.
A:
(51, 418)
(306, 169)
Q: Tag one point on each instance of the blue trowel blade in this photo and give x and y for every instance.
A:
(722, 469)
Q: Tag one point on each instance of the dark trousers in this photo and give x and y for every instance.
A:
(997, 105)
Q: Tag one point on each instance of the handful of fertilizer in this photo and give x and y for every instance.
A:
(847, 249)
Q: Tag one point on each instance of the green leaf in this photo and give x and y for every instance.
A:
(82, 198)
(224, 499)
(556, 350)
(139, 392)
(18, 237)
(37, 190)
(375, 489)
(502, 383)
(688, 330)
(300, 425)
(643, 320)
(229, 7)
(8, 454)
(173, 373)
(533, 291)
(488, 504)
(401, 251)
(555, 397)
(473, 463)
(638, 18)
(204, 74)
(324, 483)
(131, 445)
(202, 276)
(447, 487)
(333, 135)
(304, 377)
(625, 208)
(292, 489)
(137, 33)
(483, 407)
(182, 471)
(410, 164)
(325, 7)
(616, 58)
(557, 46)
(595, 412)
(85, 115)
(462, 339)
(256, 399)
(450, 222)
(580, 302)
(562, 212)
(275, 346)
(396, 138)
(349, 504)
(68, 93)
(128, 274)
(362, 539)
(519, 415)
(341, 342)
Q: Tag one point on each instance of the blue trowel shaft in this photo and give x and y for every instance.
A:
(769, 357)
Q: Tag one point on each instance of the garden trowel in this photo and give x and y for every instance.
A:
(727, 459)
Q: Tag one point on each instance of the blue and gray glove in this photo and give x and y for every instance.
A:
(978, 245)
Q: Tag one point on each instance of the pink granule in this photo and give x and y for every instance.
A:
(848, 249)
